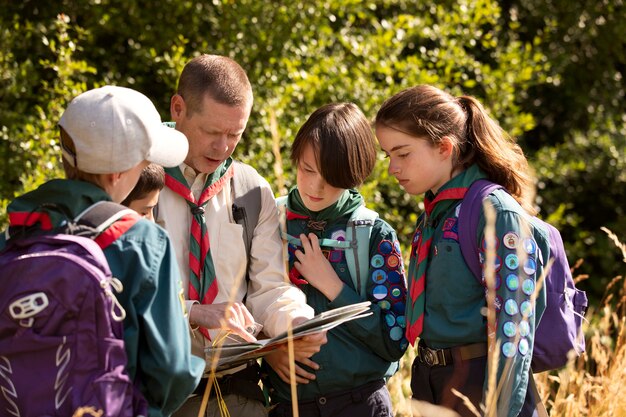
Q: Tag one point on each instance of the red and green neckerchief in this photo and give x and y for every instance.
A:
(435, 207)
(202, 278)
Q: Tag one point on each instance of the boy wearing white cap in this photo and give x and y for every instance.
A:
(108, 136)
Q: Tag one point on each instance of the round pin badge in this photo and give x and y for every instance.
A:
(509, 329)
(528, 286)
(511, 261)
(385, 247)
(384, 305)
(398, 308)
(393, 261)
(530, 266)
(396, 333)
(395, 292)
(510, 240)
(512, 282)
(377, 261)
(396, 247)
(530, 246)
(510, 306)
(523, 347)
(390, 319)
(524, 328)
(394, 277)
(379, 292)
(379, 276)
(508, 349)
(526, 308)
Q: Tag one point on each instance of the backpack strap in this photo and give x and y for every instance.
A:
(358, 232)
(246, 208)
(106, 221)
(469, 216)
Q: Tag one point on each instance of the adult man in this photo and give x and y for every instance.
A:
(211, 108)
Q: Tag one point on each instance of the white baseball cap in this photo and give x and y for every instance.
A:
(115, 128)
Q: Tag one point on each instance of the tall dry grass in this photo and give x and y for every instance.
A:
(592, 385)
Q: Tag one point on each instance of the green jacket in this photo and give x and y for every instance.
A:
(362, 350)
(455, 300)
(155, 331)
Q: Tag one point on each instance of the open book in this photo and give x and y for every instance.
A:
(231, 355)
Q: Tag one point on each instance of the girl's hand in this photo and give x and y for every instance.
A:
(316, 269)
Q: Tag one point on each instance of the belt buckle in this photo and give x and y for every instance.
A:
(430, 357)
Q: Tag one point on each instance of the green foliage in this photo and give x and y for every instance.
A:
(549, 72)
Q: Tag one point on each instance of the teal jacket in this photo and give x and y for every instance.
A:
(455, 300)
(362, 350)
(155, 331)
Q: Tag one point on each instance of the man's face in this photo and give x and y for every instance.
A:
(213, 132)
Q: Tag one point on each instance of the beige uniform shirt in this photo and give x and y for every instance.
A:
(270, 299)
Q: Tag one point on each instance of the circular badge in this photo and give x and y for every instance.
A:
(393, 261)
(396, 247)
(396, 333)
(530, 266)
(379, 292)
(401, 320)
(398, 308)
(485, 244)
(510, 306)
(523, 347)
(526, 308)
(396, 292)
(385, 247)
(509, 329)
(390, 319)
(511, 261)
(379, 276)
(394, 277)
(508, 349)
(524, 328)
(384, 305)
(530, 246)
(528, 286)
(512, 283)
(377, 261)
(510, 240)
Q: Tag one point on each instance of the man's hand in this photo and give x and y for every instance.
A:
(304, 348)
(233, 317)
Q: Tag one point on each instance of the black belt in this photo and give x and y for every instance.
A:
(244, 383)
(444, 357)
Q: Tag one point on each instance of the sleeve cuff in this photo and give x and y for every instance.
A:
(188, 305)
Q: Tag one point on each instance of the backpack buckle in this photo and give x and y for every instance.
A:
(23, 309)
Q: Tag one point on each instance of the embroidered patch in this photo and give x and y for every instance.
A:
(509, 329)
(384, 305)
(512, 282)
(530, 246)
(394, 277)
(396, 333)
(379, 292)
(528, 286)
(526, 309)
(508, 349)
(530, 266)
(401, 320)
(450, 229)
(395, 291)
(335, 256)
(510, 240)
(377, 261)
(510, 306)
(523, 347)
(398, 307)
(393, 261)
(524, 328)
(379, 276)
(385, 247)
(390, 319)
(511, 261)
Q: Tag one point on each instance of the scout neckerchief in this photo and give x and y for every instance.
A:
(317, 221)
(202, 282)
(435, 206)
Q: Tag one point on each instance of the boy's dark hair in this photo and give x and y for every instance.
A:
(341, 137)
(152, 178)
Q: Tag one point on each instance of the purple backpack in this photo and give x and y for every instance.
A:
(61, 334)
(560, 328)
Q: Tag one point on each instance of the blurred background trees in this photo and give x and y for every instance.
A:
(551, 72)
